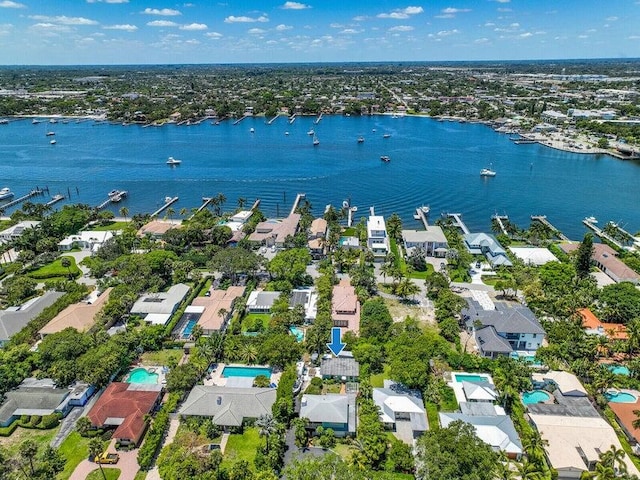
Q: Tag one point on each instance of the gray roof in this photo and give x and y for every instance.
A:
(506, 318)
(565, 406)
(228, 407)
(32, 397)
(329, 408)
(431, 234)
(392, 401)
(489, 341)
(478, 241)
(14, 320)
(162, 302)
(340, 367)
(262, 299)
(300, 297)
(484, 409)
(496, 430)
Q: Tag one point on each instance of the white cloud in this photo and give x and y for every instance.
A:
(505, 10)
(282, 27)
(244, 19)
(446, 33)
(194, 26)
(336, 25)
(6, 28)
(108, 1)
(453, 11)
(125, 27)
(413, 10)
(445, 15)
(583, 36)
(481, 41)
(401, 28)
(63, 20)
(192, 41)
(295, 6)
(350, 31)
(611, 19)
(634, 37)
(165, 12)
(526, 35)
(10, 4)
(214, 35)
(50, 27)
(256, 31)
(162, 23)
(401, 13)
(489, 24)
(503, 1)
(360, 18)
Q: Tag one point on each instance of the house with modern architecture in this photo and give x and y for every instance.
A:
(228, 407)
(431, 240)
(377, 238)
(606, 259)
(216, 309)
(155, 229)
(507, 328)
(401, 411)
(15, 231)
(260, 301)
(91, 240)
(308, 298)
(275, 232)
(14, 319)
(345, 307)
(343, 368)
(487, 245)
(81, 316)
(125, 408)
(157, 308)
(331, 410)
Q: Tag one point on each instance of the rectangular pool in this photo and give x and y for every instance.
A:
(466, 377)
(186, 333)
(246, 372)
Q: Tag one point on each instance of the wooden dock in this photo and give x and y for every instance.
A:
(499, 219)
(240, 119)
(299, 197)
(167, 204)
(113, 199)
(457, 221)
(273, 120)
(317, 120)
(32, 193)
(601, 233)
(205, 203)
(292, 119)
(255, 205)
(543, 220)
(422, 217)
(55, 199)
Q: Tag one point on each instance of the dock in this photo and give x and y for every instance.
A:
(422, 217)
(32, 193)
(240, 119)
(499, 219)
(255, 205)
(299, 197)
(168, 202)
(55, 199)
(457, 221)
(602, 234)
(292, 119)
(317, 120)
(205, 203)
(273, 120)
(115, 198)
(543, 220)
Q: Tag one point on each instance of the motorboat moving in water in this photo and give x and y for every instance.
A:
(590, 219)
(487, 172)
(385, 158)
(5, 193)
(173, 161)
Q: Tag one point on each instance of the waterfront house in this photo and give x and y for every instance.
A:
(343, 368)
(238, 220)
(593, 326)
(216, 309)
(275, 232)
(14, 319)
(377, 238)
(345, 307)
(331, 410)
(228, 407)
(91, 240)
(318, 228)
(125, 407)
(157, 308)
(606, 259)
(317, 238)
(155, 229)
(80, 316)
(507, 328)
(260, 301)
(15, 231)
(487, 245)
(401, 411)
(431, 240)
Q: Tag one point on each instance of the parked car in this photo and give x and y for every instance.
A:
(110, 458)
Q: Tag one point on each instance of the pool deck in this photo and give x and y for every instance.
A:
(159, 370)
(216, 378)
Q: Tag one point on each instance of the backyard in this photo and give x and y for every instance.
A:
(161, 357)
(252, 321)
(242, 447)
(110, 226)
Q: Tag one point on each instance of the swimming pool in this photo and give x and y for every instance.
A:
(142, 375)
(246, 372)
(468, 377)
(535, 396)
(620, 397)
(186, 332)
(619, 370)
(298, 333)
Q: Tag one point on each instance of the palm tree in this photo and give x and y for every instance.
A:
(65, 262)
(602, 472)
(534, 445)
(220, 202)
(248, 353)
(241, 202)
(529, 471)
(96, 447)
(614, 458)
(183, 211)
(124, 211)
(170, 213)
(267, 426)
(633, 331)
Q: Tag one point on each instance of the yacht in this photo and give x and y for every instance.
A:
(385, 158)
(5, 193)
(50, 134)
(252, 130)
(35, 121)
(311, 132)
(286, 133)
(113, 193)
(425, 209)
(591, 219)
(173, 161)
(487, 172)
(386, 135)
(360, 139)
(53, 142)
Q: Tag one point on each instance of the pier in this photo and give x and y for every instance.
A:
(422, 217)
(167, 203)
(543, 220)
(457, 221)
(255, 205)
(115, 198)
(55, 199)
(292, 119)
(21, 199)
(205, 203)
(240, 119)
(299, 197)
(499, 219)
(602, 234)
(317, 120)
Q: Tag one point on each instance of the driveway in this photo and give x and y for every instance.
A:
(67, 426)
(78, 257)
(128, 465)
(174, 423)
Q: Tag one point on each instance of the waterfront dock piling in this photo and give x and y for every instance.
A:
(601, 233)
(543, 219)
(168, 202)
(457, 221)
(55, 199)
(115, 198)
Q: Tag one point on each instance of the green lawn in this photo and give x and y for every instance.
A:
(432, 415)
(110, 226)
(161, 357)
(74, 449)
(109, 472)
(242, 447)
(344, 450)
(55, 269)
(377, 380)
(252, 317)
(205, 288)
(349, 232)
(141, 475)
(423, 275)
(41, 437)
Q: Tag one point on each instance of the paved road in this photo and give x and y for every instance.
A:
(67, 426)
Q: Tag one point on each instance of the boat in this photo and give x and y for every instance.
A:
(173, 161)
(591, 219)
(373, 130)
(360, 139)
(345, 204)
(252, 130)
(53, 142)
(50, 134)
(53, 120)
(316, 142)
(286, 133)
(167, 199)
(35, 121)
(5, 193)
(311, 132)
(113, 193)
(487, 172)
(386, 135)
(385, 158)
(4, 121)
(425, 209)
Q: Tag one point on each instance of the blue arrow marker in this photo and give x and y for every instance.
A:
(336, 346)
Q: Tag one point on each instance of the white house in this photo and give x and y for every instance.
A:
(431, 240)
(92, 240)
(16, 230)
(377, 238)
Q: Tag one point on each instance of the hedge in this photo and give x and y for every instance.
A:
(38, 422)
(176, 316)
(155, 436)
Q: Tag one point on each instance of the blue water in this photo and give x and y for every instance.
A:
(189, 328)
(469, 378)
(434, 163)
(619, 370)
(620, 397)
(535, 396)
(246, 372)
(142, 375)
(299, 334)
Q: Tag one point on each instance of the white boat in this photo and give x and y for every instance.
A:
(173, 161)
(113, 193)
(252, 130)
(591, 219)
(316, 142)
(386, 135)
(487, 172)
(286, 133)
(35, 121)
(167, 199)
(311, 132)
(5, 193)
(425, 209)
(50, 134)
(360, 139)
(53, 120)
(385, 158)
(53, 142)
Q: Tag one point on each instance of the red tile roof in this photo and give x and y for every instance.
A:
(615, 331)
(626, 416)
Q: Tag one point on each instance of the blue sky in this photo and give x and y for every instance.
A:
(207, 31)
